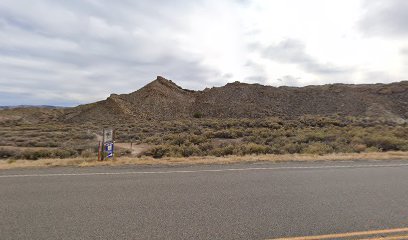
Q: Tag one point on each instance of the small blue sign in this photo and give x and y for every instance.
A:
(109, 149)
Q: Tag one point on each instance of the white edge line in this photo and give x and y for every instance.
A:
(201, 171)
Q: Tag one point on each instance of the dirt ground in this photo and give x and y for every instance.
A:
(135, 148)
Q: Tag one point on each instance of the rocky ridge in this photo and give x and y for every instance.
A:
(162, 99)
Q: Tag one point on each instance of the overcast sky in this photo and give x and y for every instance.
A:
(77, 51)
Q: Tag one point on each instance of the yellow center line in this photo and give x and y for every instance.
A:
(387, 238)
(349, 234)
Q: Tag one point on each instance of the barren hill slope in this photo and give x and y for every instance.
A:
(253, 100)
(162, 99)
(159, 100)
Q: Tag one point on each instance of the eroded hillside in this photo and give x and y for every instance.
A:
(162, 99)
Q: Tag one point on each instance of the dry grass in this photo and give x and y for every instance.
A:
(88, 162)
(206, 137)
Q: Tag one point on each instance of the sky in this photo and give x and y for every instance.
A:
(70, 52)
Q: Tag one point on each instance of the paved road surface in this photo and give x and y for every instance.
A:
(248, 201)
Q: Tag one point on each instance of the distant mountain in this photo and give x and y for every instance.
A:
(31, 114)
(162, 99)
(30, 106)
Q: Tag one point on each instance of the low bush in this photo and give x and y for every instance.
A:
(157, 152)
(359, 148)
(218, 137)
(7, 153)
(222, 151)
(318, 148)
(197, 115)
(386, 143)
(88, 153)
(253, 148)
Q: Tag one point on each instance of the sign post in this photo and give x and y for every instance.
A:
(108, 144)
(99, 151)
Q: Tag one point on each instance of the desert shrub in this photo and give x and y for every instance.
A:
(157, 151)
(237, 133)
(53, 144)
(317, 136)
(341, 147)
(34, 154)
(193, 136)
(32, 134)
(174, 151)
(373, 149)
(254, 139)
(386, 143)
(270, 140)
(188, 151)
(276, 150)
(197, 139)
(270, 123)
(229, 134)
(41, 144)
(64, 153)
(222, 151)
(318, 148)
(88, 153)
(205, 147)
(178, 140)
(293, 148)
(253, 148)
(7, 153)
(262, 132)
(401, 132)
(38, 154)
(153, 140)
(197, 131)
(208, 134)
(198, 115)
(359, 148)
(20, 140)
(31, 143)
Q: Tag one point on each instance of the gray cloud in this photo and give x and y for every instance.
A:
(385, 18)
(294, 52)
(74, 51)
(404, 53)
(259, 76)
(256, 79)
(378, 77)
(71, 52)
(289, 80)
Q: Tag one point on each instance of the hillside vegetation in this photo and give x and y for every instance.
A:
(212, 137)
(236, 119)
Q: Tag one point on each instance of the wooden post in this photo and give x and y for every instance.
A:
(103, 145)
(99, 151)
(113, 144)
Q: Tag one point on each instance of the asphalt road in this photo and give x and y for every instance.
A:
(256, 201)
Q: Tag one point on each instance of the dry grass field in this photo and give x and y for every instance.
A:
(178, 161)
(194, 139)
